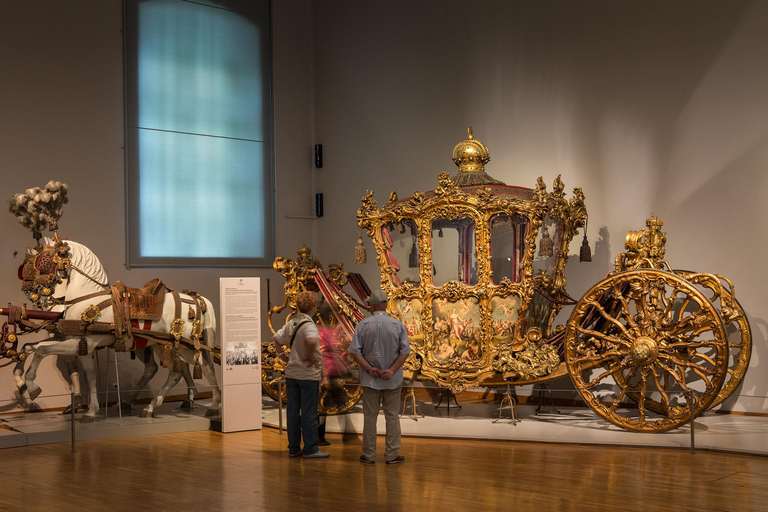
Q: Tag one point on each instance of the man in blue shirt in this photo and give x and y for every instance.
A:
(380, 346)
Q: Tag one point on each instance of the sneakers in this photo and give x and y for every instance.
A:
(323, 442)
(297, 454)
(366, 460)
(317, 455)
(396, 460)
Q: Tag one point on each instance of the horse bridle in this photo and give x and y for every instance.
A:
(43, 270)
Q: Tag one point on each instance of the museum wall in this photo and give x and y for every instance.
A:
(651, 107)
(61, 118)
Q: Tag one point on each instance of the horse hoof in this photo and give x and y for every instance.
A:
(67, 411)
(87, 419)
(125, 408)
(147, 414)
(22, 389)
(210, 413)
(187, 405)
(34, 393)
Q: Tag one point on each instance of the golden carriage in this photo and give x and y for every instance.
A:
(475, 270)
(336, 318)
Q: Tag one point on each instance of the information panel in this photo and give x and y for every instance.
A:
(241, 353)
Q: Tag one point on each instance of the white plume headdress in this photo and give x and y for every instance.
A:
(39, 208)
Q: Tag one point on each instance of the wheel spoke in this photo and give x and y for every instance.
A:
(599, 358)
(698, 369)
(622, 365)
(603, 336)
(669, 303)
(609, 318)
(662, 389)
(625, 306)
(693, 344)
(679, 378)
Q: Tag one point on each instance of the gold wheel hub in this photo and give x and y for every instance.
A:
(644, 350)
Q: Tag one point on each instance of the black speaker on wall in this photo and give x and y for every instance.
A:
(319, 205)
(319, 156)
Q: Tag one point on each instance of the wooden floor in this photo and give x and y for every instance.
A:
(252, 471)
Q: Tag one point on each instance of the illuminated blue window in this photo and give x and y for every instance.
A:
(198, 133)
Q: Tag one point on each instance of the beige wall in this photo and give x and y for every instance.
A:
(651, 107)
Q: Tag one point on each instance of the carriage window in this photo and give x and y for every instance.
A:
(401, 239)
(548, 243)
(454, 254)
(507, 246)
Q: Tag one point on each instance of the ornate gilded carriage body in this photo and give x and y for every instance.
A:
(475, 270)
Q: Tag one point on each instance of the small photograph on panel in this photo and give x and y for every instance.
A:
(243, 352)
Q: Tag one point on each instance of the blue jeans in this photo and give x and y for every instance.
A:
(303, 396)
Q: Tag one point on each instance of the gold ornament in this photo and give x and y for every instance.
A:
(360, 255)
(90, 314)
(546, 245)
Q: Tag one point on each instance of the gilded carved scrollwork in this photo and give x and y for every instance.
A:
(338, 392)
(463, 344)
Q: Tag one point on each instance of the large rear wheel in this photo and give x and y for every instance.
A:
(642, 346)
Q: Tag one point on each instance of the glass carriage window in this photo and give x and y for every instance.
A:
(507, 246)
(548, 242)
(198, 132)
(402, 252)
(454, 253)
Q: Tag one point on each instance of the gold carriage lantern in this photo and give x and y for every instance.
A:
(475, 270)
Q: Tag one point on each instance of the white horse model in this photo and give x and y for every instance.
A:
(84, 276)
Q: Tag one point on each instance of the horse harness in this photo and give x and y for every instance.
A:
(130, 305)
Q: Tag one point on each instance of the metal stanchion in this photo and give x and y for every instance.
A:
(280, 407)
(72, 420)
(690, 401)
(117, 380)
(510, 399)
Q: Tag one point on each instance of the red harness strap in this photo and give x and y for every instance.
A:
(138, 341)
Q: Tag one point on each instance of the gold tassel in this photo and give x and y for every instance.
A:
(82, 347)
(360, 256)
(119, 344)
(585, 254)
(166, 356)
(413, 256)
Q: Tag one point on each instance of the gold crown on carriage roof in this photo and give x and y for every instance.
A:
(470, 156)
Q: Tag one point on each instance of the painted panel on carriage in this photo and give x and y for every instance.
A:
(457, 331)
(504, 317)
(409, 312)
